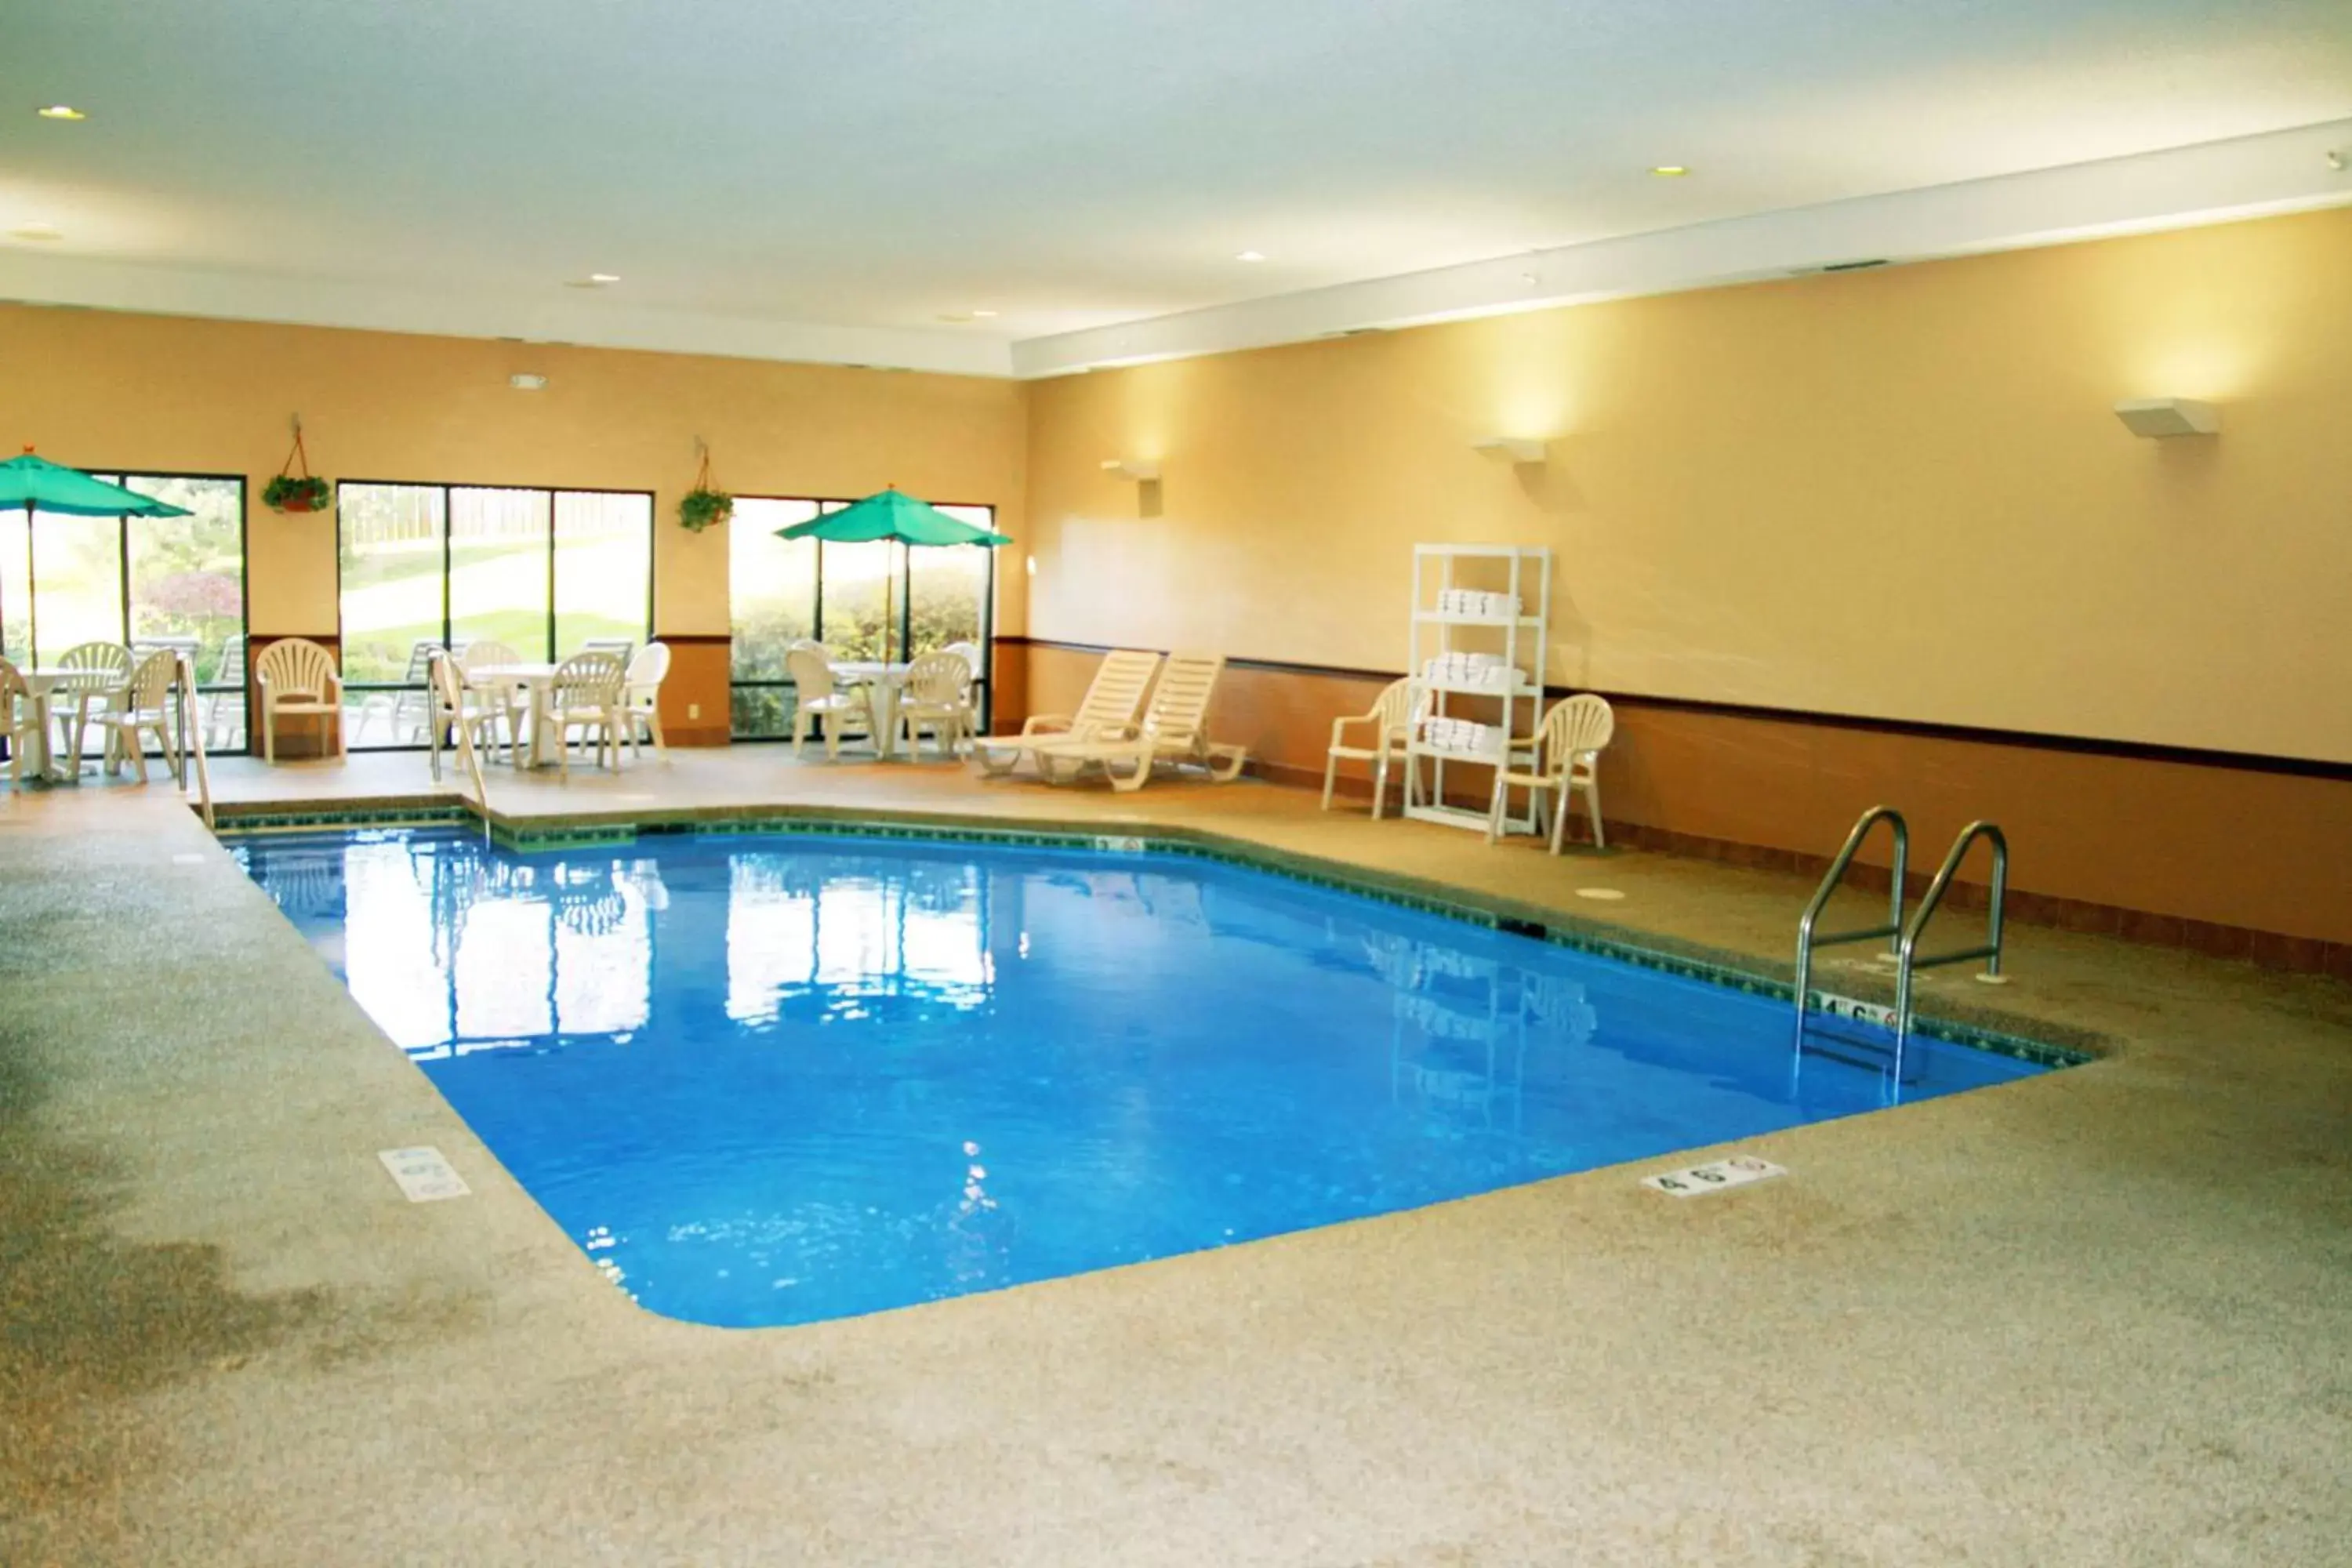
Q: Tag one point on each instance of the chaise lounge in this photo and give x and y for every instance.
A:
(1113, 698)
(1172, 733)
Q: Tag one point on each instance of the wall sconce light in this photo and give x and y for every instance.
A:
(2161, 416)
(1142, 469)
(1517, 449)
(524, 381)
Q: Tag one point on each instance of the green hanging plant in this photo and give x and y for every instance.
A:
(705, 504)
(290, 491)
(700, 506)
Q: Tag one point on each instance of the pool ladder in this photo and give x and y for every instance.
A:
(1902, 947)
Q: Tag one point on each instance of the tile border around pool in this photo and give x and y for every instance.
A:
(1988, 1031)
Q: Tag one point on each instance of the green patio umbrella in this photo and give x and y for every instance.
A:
(39, 485)
(896, 517)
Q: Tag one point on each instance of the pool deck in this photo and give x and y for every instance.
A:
(2101, 1316)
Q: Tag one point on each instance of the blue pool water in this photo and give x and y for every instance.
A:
(768, 1081)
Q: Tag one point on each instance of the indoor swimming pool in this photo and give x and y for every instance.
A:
(772, 1079)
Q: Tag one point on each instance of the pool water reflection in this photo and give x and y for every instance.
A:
(773, 1080)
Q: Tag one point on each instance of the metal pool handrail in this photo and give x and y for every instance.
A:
(449, 689)
(1908, 958)
(192, 737)
(1807, 940)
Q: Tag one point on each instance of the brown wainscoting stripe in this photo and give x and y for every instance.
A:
(1272, 666)
(2324, 953)
(2140, 751)
(2271, 950)
(693, 639)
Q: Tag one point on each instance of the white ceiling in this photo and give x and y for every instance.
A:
(794, 179)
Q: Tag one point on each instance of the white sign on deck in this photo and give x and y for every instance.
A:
(1714, 1176)
(424, 1175)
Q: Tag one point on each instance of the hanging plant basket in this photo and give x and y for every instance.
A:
(703, 505)
(698, 508)
(290, 491)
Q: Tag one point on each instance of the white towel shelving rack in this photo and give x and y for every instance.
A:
(1480, 614)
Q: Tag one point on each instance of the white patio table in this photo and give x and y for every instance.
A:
(42, 681)
(884, 682)
(539, 679)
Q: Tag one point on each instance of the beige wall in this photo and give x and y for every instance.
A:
(1896, 493)
(106, 389)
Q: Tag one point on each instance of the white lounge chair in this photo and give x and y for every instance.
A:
(297, 677)
(1392, 716)
(222, 709)
(408, 708)
(1174, 731)
(1113, 700)
(1568, 756)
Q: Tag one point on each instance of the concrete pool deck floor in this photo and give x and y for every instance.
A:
(2102, 1316)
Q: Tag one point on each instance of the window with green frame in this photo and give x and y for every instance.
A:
(779, 590)
(542, 571)
(142, 581)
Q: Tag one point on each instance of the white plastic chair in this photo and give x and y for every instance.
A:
(969, 653)
(20, 719)
(458, 706)
(641, 699)
(145, 708)
(816, 698)
(296, 676)
(100, 671)
(1567, 759)
(937, 697)
(585, 695)
(507, 702)
(1393, 715)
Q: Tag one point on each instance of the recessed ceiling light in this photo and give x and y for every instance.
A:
(61, 111)
(39, 233)
(594, 281)
(984, 315)
(604, 278)
(1250, 256)
(1670, 171)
